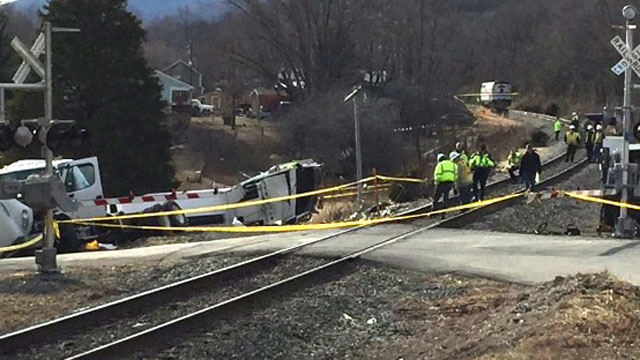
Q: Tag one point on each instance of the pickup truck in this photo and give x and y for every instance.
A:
(83, 183)
(201, 109)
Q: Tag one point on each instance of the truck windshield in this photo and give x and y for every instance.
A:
(20, 175)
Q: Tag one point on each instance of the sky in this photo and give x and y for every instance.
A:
(6, 1)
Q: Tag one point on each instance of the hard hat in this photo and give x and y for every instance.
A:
(598, 127)
(574, 113)
(589, 127)
(572, 127)
(441, 156)
(454, 155)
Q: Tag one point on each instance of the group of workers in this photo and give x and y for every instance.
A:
(464, 174)
(467, 176)
(594, 137)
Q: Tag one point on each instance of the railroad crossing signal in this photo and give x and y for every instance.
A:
(62, 134)
(36, 51)
(630, 58)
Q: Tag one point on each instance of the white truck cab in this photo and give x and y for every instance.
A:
(81, 179)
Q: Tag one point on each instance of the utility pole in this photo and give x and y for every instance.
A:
(353, 97)
(358, 148)
(625, 226)
(3, 115)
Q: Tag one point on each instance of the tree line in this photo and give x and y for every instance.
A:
(411, 57)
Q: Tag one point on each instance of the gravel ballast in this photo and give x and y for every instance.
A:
(550, 216)
(158, 313)
(26, 299)
(325, 321)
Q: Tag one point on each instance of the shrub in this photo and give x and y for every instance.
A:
(553, 109)
(539, 137)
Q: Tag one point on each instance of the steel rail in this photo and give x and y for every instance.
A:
(150, 338)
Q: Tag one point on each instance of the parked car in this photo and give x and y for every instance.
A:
(264, 114)
(201, 109)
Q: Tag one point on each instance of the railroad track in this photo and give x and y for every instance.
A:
(125, 313)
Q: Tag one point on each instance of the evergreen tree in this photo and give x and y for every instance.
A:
(5, 50)
(102, 80)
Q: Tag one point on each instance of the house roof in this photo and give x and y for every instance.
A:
(175, 83)
(185, 64)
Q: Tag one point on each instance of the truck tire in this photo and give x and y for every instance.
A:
(179, 220)
(162, 221)
(68, 240)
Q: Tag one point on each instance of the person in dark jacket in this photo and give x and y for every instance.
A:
(530, 165)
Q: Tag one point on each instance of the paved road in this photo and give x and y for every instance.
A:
(511, 257)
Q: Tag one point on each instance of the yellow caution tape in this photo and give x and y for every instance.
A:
(602, 201)
(21, 246)
(400, 179)
(354, 193)
(302, 227)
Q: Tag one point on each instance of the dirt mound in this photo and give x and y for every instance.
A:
(580, 317)
(586, 316)
(593, 316)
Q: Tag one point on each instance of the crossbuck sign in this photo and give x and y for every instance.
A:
(630, 58)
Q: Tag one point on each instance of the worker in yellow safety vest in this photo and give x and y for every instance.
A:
(481, 164)
(572, 139)
(513, 163)
(445, 175)
(557, 128)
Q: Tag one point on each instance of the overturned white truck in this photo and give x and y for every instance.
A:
(83, 183)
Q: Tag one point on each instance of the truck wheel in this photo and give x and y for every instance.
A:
(158, 220)
(179, 220)
(68, 240)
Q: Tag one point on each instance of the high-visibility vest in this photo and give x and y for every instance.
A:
(599, 137)
(446, 170)
(591, 137)
(557, 126)
(572, 138)
(514, 159)
(482, 161)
